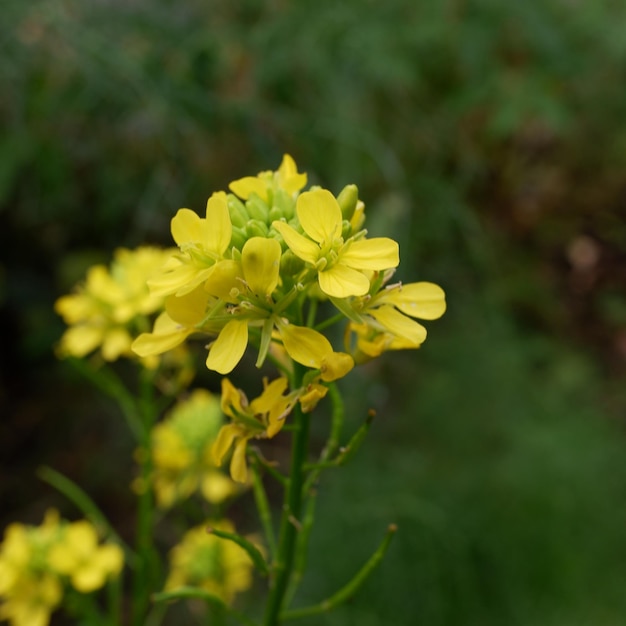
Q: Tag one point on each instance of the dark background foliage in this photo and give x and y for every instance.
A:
(486, 137)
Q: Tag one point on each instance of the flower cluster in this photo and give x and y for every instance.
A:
(204, 561)
(112, 306)
(181, 452)
(37, 564)
(253, 271)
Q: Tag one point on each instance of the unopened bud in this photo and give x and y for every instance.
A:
(257, 209)
(257, 228)
(348, 199)
(238, 213)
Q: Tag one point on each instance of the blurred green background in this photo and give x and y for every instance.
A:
(487, 137)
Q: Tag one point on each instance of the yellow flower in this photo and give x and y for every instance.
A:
(29, 590)
(181, 446)
(202, 242)
(265, 183)
(79, 556)
(386, 317)
(339, 263)
(261, 418)
(207, 562)
(112, 304)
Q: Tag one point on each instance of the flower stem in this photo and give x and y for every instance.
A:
(290, 517)
(145, 567)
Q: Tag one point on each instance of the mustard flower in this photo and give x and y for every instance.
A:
(181, 446)
(112, 305)
(204, 561)
(385, 317)
(29, 590)
(339, 264)
(266, 183)
(261, 418)
(79, 556)
(203, 244)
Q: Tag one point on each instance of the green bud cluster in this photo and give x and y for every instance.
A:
(254, 217)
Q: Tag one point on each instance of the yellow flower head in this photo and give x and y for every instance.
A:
(339, 264)
(386, 322)
(181, 446)
(261, 418)
(79, 556)
(203, 245)
(266, 184)
(112, 305)
(205, 561)
(36, 562)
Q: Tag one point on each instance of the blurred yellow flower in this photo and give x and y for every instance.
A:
(181, 446)
(207, 562)
(79, 556)
(339, 263)
(29, 591)
(36, 561)
(112, 305)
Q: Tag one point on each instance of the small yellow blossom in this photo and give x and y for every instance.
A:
(266, 183)
(261, 418)
(203, 560)
(386, 322)
(79, 556)
(339, 263)
(203, 243)
(181, 446)
(36, 562)
(112, 305)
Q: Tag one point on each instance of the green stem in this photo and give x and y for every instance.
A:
(346, 592)
(263, 506)
(290, 517)
(145, 569)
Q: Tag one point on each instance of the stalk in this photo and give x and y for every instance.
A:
(290, 516)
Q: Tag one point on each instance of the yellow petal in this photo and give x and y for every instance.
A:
(189, 309)
(219, 226)
(424, 300)
(80, 340)
(341, 281)
(319, 214)
(399, 324)
(88, 578)
(229, 347)
(288, 175)
(272, 394)
(302, 247)
(116, 342)
(336, 365)
(180, 280)
(246, 186)
(232, 399)
(224, 441)
(261, 264)
(304, 345)
(380, 253)
(166, 335)
(224, 280)
(238, 466)
(188, 227)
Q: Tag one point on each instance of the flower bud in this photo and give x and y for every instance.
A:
(257, 209)
(347, 200)
(238, 213)
(238, 237)
(256, 228)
